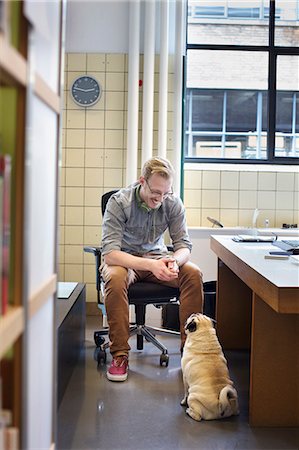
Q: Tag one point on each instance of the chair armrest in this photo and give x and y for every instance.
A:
(95, 250)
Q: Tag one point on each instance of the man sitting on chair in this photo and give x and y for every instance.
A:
(133, 248)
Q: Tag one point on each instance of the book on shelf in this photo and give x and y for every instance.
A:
(5, 185)
(4, 17)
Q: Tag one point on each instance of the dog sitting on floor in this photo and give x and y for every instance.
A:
(209, 391)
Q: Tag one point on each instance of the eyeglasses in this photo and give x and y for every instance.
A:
(159, 194)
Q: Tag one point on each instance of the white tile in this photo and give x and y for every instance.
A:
(192, 198)
(229, 199)
(115, 101)
(115, 62)
(284, 200)
(94, 157)
(248, 181)
(210, 179)
(92, 216)
(76, 61)
(285, 181)
(75, 119)
(61, 196)
(283, 216)
(88, 273)
(113, 178)
(74, 215)
(193, 217)
(95, 119)
(61, 215)
(230, 180)
(192, 179)
(229, 217)
(73, 272)
(94, 177)
(266, 181)
(266, 200)
(115, 81)
(96, 62)
(247, 199)
(210, 198)
(74, 157)
(114, 120)
(73, 254)
(74, 196)
(74, 235)
(74, 176)
(92, 235)
(94, 138)
(114, 138)
(114, 158)
(92, 196)
(245, 217)
(75, 138)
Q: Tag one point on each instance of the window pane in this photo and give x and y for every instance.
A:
(207, 107)
(227, 104)
(284, 112)
(287, 23)
(213, 69)
(241, 111)
(228, 22)
(287, 109)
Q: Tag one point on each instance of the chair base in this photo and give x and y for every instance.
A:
(141, 331)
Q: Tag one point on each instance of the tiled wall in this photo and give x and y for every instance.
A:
(231, 196)
(94, 157)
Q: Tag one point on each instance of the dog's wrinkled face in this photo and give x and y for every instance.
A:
(198, 321)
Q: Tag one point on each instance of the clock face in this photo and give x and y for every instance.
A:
(86, 91)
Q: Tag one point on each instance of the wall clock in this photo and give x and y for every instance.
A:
(86, 91)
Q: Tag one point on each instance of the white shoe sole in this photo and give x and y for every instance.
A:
(117, 377)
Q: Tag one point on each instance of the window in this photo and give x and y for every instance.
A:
(242, 90)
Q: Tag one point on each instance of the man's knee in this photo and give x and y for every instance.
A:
(115, 276)
(192, 272)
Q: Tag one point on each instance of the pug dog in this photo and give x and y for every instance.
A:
(209, 391)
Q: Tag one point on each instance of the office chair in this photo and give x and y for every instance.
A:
(140, 294)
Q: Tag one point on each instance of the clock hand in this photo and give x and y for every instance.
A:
(90, 90)
(79, 89)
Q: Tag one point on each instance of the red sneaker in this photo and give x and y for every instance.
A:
(118, 371)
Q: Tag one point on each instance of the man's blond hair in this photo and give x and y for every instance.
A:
(158, 165)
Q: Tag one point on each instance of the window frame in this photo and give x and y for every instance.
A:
(273, 52)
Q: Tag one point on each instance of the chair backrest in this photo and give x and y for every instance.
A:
(105, 198)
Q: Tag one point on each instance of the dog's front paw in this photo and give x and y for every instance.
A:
(184, 402)
(193, 414)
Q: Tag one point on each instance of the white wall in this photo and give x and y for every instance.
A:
(102, 26)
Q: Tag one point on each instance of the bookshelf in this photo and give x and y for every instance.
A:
(30, 106)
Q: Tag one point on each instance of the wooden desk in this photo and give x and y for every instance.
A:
(258, 308)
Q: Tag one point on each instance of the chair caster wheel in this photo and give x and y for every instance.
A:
(164, 359)
(98, 339)
(100, 356)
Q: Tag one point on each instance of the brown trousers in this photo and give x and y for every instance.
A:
(117, 280)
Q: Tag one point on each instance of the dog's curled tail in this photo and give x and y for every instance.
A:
(228, 402)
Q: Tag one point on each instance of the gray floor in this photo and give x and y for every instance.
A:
(144, 413)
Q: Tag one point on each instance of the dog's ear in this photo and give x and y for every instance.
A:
(191, 326)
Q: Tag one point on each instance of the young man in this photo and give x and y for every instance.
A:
(133, 249)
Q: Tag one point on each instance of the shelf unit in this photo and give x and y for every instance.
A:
(28, 325)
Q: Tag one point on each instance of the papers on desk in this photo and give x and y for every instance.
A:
(250, 238)
(65, 289)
